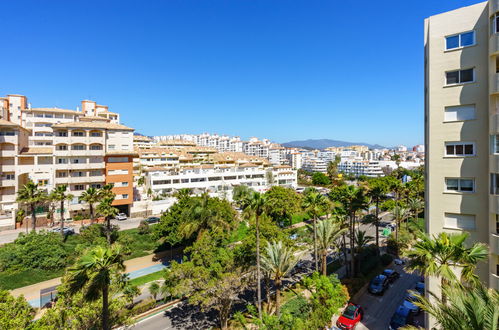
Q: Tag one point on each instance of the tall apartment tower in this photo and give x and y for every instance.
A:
(462, 128)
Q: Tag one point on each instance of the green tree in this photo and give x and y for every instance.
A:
(400, 214)
(439, 255)
(59, 194)
(278, 261)
(332, 168)
(315, 204)
(281, 203)
(328, 233)
(240, 194)
(107, 191)
(362, 239)
(154, 290)
(475, 308)
(93, 273)
(91, 196)
(130, 292)
(377, 190)
(415, 204)
(107, 210)
(15, 313)
(31, 196)
(321, 179)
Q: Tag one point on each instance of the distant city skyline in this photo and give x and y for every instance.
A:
(285, 70)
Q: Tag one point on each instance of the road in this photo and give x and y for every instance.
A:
(8, 236)
(378, 310)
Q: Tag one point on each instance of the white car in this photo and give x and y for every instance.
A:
(120, 216)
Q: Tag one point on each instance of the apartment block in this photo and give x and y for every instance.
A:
(462, 128)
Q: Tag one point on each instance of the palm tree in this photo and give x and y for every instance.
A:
(32, 196)
(399, 214)
(362, 239)
(438, 255)
(315, 204)
(107, 191)
(59, 194)
(92, 274)
(475, 308)
(377, 190)
(130, 292)
(108, 211)
(415, 204)
(154, 289)
(91, 196)
(255, 206)
(278, 262)
(328, 233)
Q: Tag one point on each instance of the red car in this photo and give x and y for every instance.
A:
(351, 317)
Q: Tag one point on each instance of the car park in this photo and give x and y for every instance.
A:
(378, 285)
(121, 216)
(151, 220)
(409, 303)
(350, 317)
(400, 318)
(391, 274)
(420, 287)
(66, 230)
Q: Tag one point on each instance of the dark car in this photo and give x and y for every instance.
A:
(391, 274)
(402, 317)
(378, 285)
(410, 298)
(152, 220)
(420, 287)
(66, 231)
(350, 317)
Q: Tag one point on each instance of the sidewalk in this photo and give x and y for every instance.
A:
(137, 265)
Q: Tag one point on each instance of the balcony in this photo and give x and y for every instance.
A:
(494, 243)
(80, 179)
(7, 183)
(494, 281)
(80, 166)
(9, 139)
(493, 7)
(7, 168)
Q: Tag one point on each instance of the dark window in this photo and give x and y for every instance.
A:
(459, 76)
(452, 77)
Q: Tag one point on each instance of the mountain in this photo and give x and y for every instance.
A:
(326, 143)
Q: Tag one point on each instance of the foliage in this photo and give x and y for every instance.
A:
(386, 259)
(388, 205)
(32, 196)
(15, 313)
(281, 203)
(328, 234)
(154, 290)
(36, 250)
(240, 194)
(320, 179)
(144, 228)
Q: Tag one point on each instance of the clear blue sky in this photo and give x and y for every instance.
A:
(285, 70)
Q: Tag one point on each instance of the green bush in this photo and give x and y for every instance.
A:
(296, 307)
(369, 264)
(144, 228)
(42, 250)
(143, 306)
(386, 259)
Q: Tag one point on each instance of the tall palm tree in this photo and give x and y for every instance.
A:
(278, 262)
(399, 215)
(59, 194)
(107, 191)
(93, 273)
(255, 206)
(107, 210)
(91, 196)
(154, 290)
(31, 196)
(328, 233)
(377, 190)
(438, 255)
(315, 204)
(475, 308)
(362, 239)
(415, 204)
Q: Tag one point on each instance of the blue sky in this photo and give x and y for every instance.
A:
(285, 70)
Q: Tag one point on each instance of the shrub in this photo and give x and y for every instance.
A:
(144, 228)
(143, 306)
(386, 259)
(296, 307)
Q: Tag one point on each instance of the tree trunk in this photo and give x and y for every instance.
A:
(277, 296)
(324, 263)
(62, 218)
(345, 255)
(266, 280)
(91, 214)
(258, 276)
(108, 230)
(443, 283)
(396, 237)
(33, 217)
(316, 258)
(377, 226)
(105, 307)
(352, 244)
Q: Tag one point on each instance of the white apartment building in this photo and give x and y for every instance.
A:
(359, 167)
(314, 164)
(462, 127)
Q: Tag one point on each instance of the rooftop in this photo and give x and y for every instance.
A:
(86, 124)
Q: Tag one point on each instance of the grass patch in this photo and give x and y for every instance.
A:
(27, 277)
(140, 244)
(147, 278)
(240, 233)
(299, 217)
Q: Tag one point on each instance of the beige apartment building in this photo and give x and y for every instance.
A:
(462, 128)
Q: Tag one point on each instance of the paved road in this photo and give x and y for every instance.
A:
(378, 310)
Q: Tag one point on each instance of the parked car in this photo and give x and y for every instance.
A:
(419, 287)
(350, 317)
(400, 318)
(378, 285)
(121, 216)
(399, 262)
(409, 303)
(66, 230)
(391, 274)
(152, 220)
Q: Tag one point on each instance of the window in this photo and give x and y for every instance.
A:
(62, 133)
(118, 160)
(459, 149)
(79, 187)
(62, 161)
(96, 185)
(459, 221)
(111, 147)
(77, 174)
(124, 184)
(62, 174)
(459, 113)
(459, 185)
(460, 40)
(78, 133)
(10, 176)
(95, 134)
(96, 147)
(78, 147)
(117, 172)
(494, 183)
(459, 76)
(43, 182)
(497, 223)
